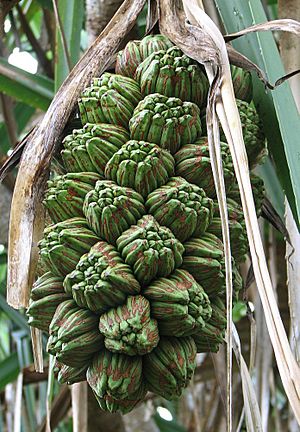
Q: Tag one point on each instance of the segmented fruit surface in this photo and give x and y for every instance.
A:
(136, 51)
(173, 74)
(131, 273)
(140, 165)
(166, 121)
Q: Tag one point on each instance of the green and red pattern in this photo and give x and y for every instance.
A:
(173, 74)
(131, 277)
(166, 121)
(193, 163)
(140, 165)
(136, 51)
(101, 279)
(181, 206)
(89, 149)
(111, 209)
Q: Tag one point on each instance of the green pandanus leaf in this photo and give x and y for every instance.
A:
(140, 165)
(193, 164)
(169, 367)
(111, 209)
(173, 74)
(167, 122)
(242, 84)
(101, 279)
(74, 335)
(179, 304)
(65, 194)
(110, 99)
(129, 329)
(181, 206)
(136, 51)
(64, 243)
(124, 406)
(115, 375)
(150, 249)
(89, 149)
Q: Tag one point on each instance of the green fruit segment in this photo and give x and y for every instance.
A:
(208, 338)
(173, 74)
(258, 190)
(111, 209)
(193, 163)
(115, 375)
(136, 51)
(40, 312)
(203, 258)
(237, 229)
(169, 367)
(110, 99)
(253, 134)
(101, 279)
(181, 206)
(124, 406)
(242, 83)
(64, 243)
(255, 140)
(167, 122)
(128, 329)
(89, 149)
(65, 194)
(140, 165)
(74, 335)
(68, 374)
(179, 303)
(150, 249)
(45, 285)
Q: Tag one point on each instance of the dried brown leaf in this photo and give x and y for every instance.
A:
(152, 15)
(287, 25)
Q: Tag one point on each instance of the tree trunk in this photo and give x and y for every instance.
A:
(98, 14)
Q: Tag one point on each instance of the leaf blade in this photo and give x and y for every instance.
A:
(9, 370)
(34, 90)
(277, 108)
(71, 17)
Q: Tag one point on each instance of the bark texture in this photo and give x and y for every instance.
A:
(5, 200)
(98, 13)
